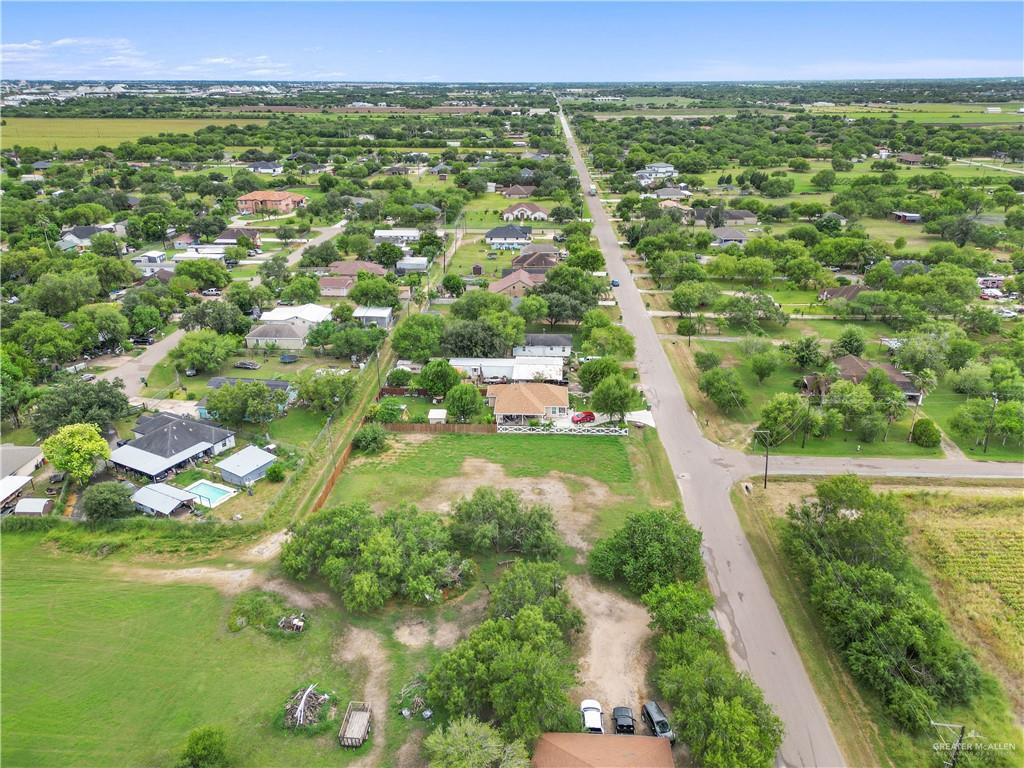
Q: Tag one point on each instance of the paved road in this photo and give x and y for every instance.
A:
(757, 636)
(133, 369)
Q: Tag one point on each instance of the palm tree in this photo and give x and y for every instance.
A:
(924, 380)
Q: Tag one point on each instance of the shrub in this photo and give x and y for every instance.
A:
(259, 609)
(399, 377)
(926, 434)
(275, 472)
(107, 501)
(707, 360)
(388, 411)
(372, 438)
(206, 748)
(499, 521)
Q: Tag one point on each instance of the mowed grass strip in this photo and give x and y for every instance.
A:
(100, 671)
(89, 132)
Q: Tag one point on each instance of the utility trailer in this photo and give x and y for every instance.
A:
(355, 728)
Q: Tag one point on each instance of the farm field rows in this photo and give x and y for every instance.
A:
(83, 132)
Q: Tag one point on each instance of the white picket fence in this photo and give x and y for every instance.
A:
(513, 429)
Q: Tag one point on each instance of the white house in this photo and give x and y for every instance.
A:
(382, 317)
(524, 211)
(408, 264)
(499, 369)
(653, 172)
(279, 335)
(151, 262)
(306, 315)
(399, 236)
(545, 345)
(509, 237)
(271, 169)
(204, 251)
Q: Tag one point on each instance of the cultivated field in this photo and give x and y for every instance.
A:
(82, 132)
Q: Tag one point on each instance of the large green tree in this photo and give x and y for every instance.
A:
(75, 449)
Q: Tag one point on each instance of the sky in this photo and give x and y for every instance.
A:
(514, 42)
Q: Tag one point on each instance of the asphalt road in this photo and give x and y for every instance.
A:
(758, 640)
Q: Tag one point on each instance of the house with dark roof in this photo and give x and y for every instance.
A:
(728, 236)
(847, 292)
(909, 158)
(739, 216)
(534, 262)
(273, 169)
(509, 236)
(545, 345)
(907, 217)
(899, 266)
(231, 236)
(518, 191)
(167, 442)
(854, 369)
(280, 335)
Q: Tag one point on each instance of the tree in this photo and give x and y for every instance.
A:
(613, 340)
(926, 434)
(469, 743)
(824, 180)
(654, 547)
(508, 327)
(203, 351)
(722, 386)
(325, 391)
(321, 255)
(588, 259)
(680, 607)
(69, 400)
(476, 304)
(805, 352)
(500, 522)
(853, 401)
(688, 297)
(206, 748)
(251, 401)
(57, 294)
(531, 582)
(470, 338)
(274, 271)
(463, 402)
(755, 271)
(972, 420)
(438, 377)
(764, 365)
(387, 254)
(850, 342)
(592, 372)
(74, 448)
(373, 291)
(418, 337)
(706, 359)
(207, 273)
(220, 316)
(783, 416)
(107, 501)
(453, 285)
(247, 297)
(736, 737)
(303, 289)
(613, 396)
(371, 438)
(532, 308)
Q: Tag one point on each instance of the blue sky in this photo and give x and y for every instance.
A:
(525, 41)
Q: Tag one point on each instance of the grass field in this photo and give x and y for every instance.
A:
(101, 670)
(941, 405)
(955, 114)
(81, 132)
(861, 727)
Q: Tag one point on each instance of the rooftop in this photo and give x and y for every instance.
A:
(247, 460)
(591, 750)
(530, 398)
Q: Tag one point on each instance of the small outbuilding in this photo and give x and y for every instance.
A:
(33, 507)
(163, 500)
(437, 416)
(382, 317)
(245, 467)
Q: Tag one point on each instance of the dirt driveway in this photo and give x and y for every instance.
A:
(363, 649)
(616, 651)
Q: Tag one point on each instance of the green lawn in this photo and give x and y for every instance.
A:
(88, 132)
(22, 435)
(940, 406)
(100, 670)
(298, 428)
(162, 376)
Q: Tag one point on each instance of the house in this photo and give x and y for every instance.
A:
(516, 284)
(909, 158)
(193, 252)
(518, 191)
(728, 236)
(382, 317)
(536, 258)
(33, 507)
(277, 335)
(270, 201)
(427, 207)
(272, 169)
(41, 165)
(524, 211)
(232, 235)
(183, 240)
(306, 315)
(28, 178)
(80, 237)
(409, 264)
(592, 750)
(899, 266)
(19, 459)
(439, 169)
(905, 217)
(396, 170)
(737, 217)
(168, 443)
(853, 368)
(10, 487)
(336, 286)
(278, 385)
(993, 110)
(992, 281)
(164, 274)
(353, 268)
(522, 402)
(509, 236)
(315, 169)
(437, 416)
(499, 370)
(673, 193)
(848, 292)
(163, 499)
(246, 466)
(398, 236)
(545, 345)
(654, 172)
(833, 216)
(150, 262)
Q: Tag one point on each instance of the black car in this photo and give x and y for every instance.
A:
(655, 719)
(142, 340)
(623, 720)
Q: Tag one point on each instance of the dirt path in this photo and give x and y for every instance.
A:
(614, 664)
(363, 648)
(267, 548)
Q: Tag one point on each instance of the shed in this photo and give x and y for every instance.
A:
(11, 486)
(245, 467)
(162, 499)
(437, 416)
(33, 507)
(382, 317)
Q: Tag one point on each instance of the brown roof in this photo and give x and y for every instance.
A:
(853, 368)
(271, 195)
(518, 189)
(529, 398)
(514, 278)
(353, 268)
(337, 281)
(843, 292)
(534, 261)
(531, 207)
(590, 750)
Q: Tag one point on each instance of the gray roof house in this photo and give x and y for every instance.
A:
(172, 442)
(162, 499)
(728, 236)
(545, 345)
(283, 335)
(245, 467)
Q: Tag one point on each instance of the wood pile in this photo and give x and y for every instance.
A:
(304, 707)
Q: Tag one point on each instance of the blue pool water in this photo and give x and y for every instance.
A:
(210, 494)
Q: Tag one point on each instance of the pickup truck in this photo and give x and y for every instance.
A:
(593, 190)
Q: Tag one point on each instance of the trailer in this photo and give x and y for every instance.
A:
(355, 728)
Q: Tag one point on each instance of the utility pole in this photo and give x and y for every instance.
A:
(991, 420)
(764, 435)
(807, 423)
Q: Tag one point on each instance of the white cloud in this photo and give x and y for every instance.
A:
(78, 57)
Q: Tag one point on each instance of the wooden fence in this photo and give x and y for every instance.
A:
(514, 429)
(332, 478)
(460, 429)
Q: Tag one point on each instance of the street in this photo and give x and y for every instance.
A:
(758, 639)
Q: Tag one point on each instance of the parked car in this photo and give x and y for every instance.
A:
(87, 377)
(623, 720)
(211, 292)
(654, 718)
(583, 417)
(591, 714)
(190, 372)
(144, 341)
(589, 358)
(615, 283)
(249, 365)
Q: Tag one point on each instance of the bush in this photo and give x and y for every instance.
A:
(399, 377)
(261, 610)
(387, 411)
(499, 521)
(870, 427)
(926, 434)
(107, 501)
(707, 360)
(372, 438)
(275, 472)
(206, 748)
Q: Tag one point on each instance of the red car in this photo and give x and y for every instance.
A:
(583, 417)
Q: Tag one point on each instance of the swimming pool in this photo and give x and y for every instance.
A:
(211, 494)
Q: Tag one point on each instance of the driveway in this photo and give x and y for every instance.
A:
(133, 369)
(757, 637)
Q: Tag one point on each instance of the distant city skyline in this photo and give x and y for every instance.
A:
(505, 42)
